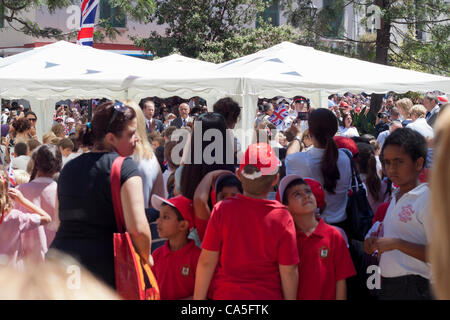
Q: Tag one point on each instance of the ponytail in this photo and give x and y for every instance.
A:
(368, 165)
(323, 125)
(330, 170)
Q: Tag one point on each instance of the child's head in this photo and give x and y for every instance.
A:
(403, 156)
(47, 160)
(258, 171)
(48, 137)
(33, 144)
(227, 186)
(296, 194)
(21, 176)
(65, 147)
(176, 215)
(20, 149)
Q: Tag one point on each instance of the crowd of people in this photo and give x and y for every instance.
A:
(266, 223)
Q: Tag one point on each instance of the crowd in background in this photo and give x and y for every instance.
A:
(204, 226)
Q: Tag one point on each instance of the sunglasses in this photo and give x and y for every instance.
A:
(32, 119)
(119, 107)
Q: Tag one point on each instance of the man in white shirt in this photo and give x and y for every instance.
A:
(420, 124)
(20, 157)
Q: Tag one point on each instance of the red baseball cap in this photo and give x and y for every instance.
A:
(344, 104)
(183, 204)
(262, 156)
(317, 191)
(315, 186)
(347, 143)
(442, 99)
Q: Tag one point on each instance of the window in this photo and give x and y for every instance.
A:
(272, 12)
(333, 12)
(113, 15)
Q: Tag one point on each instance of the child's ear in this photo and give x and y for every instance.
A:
(275, 181)
(419, 164)
(238, 174)
(184, 225)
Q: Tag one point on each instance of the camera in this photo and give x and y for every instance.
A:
(303, 116)
(382, 115)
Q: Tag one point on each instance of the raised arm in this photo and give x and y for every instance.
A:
(16, 195)
(134, 215)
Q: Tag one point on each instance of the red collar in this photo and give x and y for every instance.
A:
(320, 230)
(187, 247)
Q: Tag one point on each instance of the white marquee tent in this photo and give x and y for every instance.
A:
(66, 71)
(63, 70)
(288, 70)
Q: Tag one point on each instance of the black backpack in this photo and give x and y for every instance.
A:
(359, 212)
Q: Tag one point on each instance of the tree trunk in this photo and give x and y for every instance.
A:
(382, 48)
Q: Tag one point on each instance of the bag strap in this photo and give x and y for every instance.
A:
(356, 179)
(115, 190)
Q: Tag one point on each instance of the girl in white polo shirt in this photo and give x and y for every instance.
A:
(403, 238)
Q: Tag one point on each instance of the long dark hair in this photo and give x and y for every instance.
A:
(94, 132)
(368, 165)
(193, 172)
(323, 125)
(47, 158)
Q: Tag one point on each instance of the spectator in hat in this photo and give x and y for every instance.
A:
(239, 258)
(431, 104)
(70, 127)
(176, 261)
(325, 261)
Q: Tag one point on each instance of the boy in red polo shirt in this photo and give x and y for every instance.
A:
(176, 261)
(251, 240)
(325, 261)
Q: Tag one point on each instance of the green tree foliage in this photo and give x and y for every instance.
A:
(402, 23)
(139, 10)
(214, 31)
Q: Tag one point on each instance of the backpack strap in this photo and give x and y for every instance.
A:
(356, 179)
(115, 190)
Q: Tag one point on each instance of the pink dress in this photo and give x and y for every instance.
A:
(42, 192)
(13, 226)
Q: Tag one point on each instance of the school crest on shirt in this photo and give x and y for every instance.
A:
(324, 252)
(185, 270)
(406, 214)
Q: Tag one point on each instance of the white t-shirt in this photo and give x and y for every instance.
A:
(308, 165)
(148, 170)
(407, 219)
(349, 132)
(20, 162)
(422, 127)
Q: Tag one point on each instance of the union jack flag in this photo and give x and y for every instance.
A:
(279, 115)
(86, 33)
(12, 180)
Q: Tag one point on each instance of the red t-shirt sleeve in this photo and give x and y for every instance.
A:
(213, 235)
(344, 267)
(200, 225)
(287, 250)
